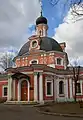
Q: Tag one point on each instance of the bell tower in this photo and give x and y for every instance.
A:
(41, 25)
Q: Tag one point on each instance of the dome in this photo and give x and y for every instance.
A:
(46, 44)
(41, 20)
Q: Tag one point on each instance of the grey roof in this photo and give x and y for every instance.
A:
(46, 44)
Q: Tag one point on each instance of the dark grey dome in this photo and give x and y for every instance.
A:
(46, 44)
(41, 20)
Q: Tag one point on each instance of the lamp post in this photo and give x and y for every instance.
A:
(76, 71)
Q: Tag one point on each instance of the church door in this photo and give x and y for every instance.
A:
(24, 90)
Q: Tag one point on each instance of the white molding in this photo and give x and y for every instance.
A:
(4, 86)
(4, 81)
(27, 72)
(49, 73)
(41, 71)
(49, 81)
(51, 65)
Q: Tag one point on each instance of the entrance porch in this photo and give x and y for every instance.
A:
(18, 87)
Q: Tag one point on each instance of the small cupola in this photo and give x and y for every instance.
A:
(41, 26)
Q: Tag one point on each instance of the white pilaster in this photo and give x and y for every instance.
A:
(9, 88)
(70, 88)
(19, 88)
(41, 88)
(35, 88)
(28, 91)
(81, 86)
(14, 89)
(55, 89)
(66, 88)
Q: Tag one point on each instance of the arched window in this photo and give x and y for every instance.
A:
(61, 87)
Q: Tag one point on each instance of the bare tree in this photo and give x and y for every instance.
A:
(76, 72)
(75, 5)
(6, 61)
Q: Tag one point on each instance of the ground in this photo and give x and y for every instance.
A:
(64, 108)
(26, 112)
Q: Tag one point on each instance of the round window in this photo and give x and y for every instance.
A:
(34, 43)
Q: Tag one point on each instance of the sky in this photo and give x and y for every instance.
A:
(17, 23)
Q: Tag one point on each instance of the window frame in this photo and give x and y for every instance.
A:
(5, 86)
(61, 61)
(32, 43)
(62, 88)
(49, 81)
(80, 89)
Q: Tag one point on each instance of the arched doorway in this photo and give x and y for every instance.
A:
(24, 90)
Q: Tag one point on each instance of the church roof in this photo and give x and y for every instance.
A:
(46, 44)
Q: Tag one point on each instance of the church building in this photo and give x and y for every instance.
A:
(41, 71)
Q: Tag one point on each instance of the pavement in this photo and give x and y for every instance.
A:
(27, 112)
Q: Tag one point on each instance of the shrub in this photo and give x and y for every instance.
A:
(2, 100)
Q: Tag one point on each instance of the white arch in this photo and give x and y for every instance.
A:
(19, 89)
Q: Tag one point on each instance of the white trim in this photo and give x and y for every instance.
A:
(19, 89)
(49, 81)
(4, 86)
(4, 81)
(38, 71)
(49, 73)
(51, 65)
(27, 72)
(34, 60)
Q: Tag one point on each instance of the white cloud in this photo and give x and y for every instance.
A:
(72, 34)
(15, 17)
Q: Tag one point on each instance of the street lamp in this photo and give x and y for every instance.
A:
(76, 71)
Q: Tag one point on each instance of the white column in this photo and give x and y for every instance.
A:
(70, 88)
(28, 91)
(19, 89)
(14, 89)
(9, 87)
(41, 88)
(66, 88)
(81, 86)
(35, 88)
(55, 89)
